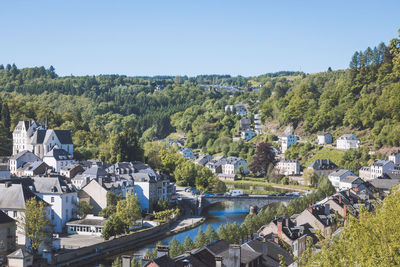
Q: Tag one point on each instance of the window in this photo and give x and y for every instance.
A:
(66, 199)
(52, 199)
(66, 213)
(14, 213)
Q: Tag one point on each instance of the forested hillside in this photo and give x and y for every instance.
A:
(364, 97)
(109, 115)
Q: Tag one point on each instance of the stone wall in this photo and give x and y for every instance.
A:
(110, 245)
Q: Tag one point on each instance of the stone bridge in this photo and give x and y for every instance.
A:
(259, 201)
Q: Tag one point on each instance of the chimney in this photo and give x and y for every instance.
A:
(327, 209)
(276, 240)
(234, 256)
(340, 199)
(126, 260)
(218, 261)
(279, 224)
(345, 211)
(287, 222)
(145, 260)
(7, 184)
(162, 250)
(310, 208)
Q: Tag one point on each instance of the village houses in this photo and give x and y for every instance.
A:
(288, 167)
(287, 140)
(347, 141)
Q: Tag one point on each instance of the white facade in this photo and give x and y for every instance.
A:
(63, 208)
(347, 141)
(380, 167)
(90, 225)
(337, 176)
(395, 157)
(324, 139)
(231, 165)
(247, 134)
(146, 193)
(19, 159)
(58, 160)
(288, 167)
(287, 141)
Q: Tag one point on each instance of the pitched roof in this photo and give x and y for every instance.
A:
(323, 164)
(51, 185)
(381, 162)
(19, 254)
(64, 136)
(20, 154)
(350, 179)
(339, 172)
(4, 218)
(89, 220)
(14, 196)
(95, 171)
(38, 137)
(58, 154)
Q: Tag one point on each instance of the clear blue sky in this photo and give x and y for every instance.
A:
(190, 37)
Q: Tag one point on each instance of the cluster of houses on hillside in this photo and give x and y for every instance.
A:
(279, 242)
(43, 167)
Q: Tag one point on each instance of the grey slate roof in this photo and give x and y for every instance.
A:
(20, 154)
(350, 179)
(323, 164)
(64, 136)
(58, 154)
(14, 196)
(89, 222)
(19, 254)
(95, 171)
(51, 185)
(384, 184)
(339, 172)
(380, 163)
(4, 218)
(38, 137)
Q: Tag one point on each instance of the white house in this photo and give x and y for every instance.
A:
(395, 157)
(203, 159)
(288, 167)
(380, 167)
(349, 182)
(214, 165)
(231, 165)
(35, 137)
(187, 153)
(287, 140)
(241, 109)
(145, 187)
(247, 134)
(62, 197)
(324, 138)
(20, 159)
(347, 141)
(58, 158)
(12, 201)
(90, 225)
(337, 176)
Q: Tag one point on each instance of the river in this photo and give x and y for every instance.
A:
(220, 213)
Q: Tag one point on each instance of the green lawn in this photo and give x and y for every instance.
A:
(327, 153)
(244, 183)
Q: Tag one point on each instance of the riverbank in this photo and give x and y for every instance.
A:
(85, 255)
(264, 187)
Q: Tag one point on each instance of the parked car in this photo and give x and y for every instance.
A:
(208, 195)
(236, 193)
(219, 194)
(281, 194)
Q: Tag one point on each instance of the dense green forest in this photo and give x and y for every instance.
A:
(111, 115)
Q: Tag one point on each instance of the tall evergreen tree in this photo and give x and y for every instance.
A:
(5, 116)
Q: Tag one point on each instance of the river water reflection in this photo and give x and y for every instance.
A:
(217, 214)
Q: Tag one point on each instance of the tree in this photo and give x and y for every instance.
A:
(310, 177)
(371, 240)
(211, 234)
(5, 116)
(36, 225)
(136, 263)
(113, 227)
(201, 239)
(188, 243)
(175, 248)
(83, 208)
(128, 210)
(264, 157)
